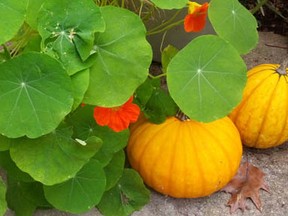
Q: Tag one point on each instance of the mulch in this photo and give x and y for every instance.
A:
(272, 17)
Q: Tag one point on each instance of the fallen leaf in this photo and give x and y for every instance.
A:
(245, 184)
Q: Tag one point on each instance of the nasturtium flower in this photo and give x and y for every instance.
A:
(195, 20)
(117, 118)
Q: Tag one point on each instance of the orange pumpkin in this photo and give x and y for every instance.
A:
(185, 159)
(262, 116)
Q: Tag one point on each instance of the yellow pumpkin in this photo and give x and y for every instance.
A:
(185, 159)
(262, 115)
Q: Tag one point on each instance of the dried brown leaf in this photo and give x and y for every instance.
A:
(245, 185)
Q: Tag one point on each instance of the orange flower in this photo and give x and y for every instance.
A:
(195, 20)
(117, 118)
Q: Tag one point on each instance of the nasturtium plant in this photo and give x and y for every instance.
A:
(63, 62)
(80, 193)
(71, 34)
(80, 82)
(31, 12)
(4, 143)
(167, 55)
(114, 169)
(12, 170)
(46, 155)
(85, 126)
(233, 22)
(31, 106)
(155, 101)
(14, 13)
(3, 204)
(127, 196)
(114, 63)
(24, 197)
(170, 4)
(206, 78)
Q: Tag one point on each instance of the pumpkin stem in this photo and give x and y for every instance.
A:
(181, 116)
(282, 68)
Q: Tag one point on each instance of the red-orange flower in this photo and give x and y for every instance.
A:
(195, 20)
(117, 118)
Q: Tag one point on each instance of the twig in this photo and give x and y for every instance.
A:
(280, 47)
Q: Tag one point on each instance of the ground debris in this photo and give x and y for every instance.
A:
(246, 185)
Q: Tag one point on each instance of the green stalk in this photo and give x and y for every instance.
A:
(258, 6)
(158, 76)
(166, 28)
(272, 7)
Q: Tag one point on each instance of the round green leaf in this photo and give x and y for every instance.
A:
(35, 95)
(12, 17)
(3, 204)
(32, 12)
(114, 169)
(24, 197)
(159, 106)
(4, 143)
(67, 29)
(80, 83)
(233, 22)
(129, 194)
(167, 54)
(123, 58)
(53, 158)
(12, 170)
(84, 126)
(170, 4)
(206, 78)
(80, 193)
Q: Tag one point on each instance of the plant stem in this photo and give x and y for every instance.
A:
(140, 9)
(166, 27)
(283, 67)
(158, 76)
(123, 4)
(181, 116)
(272, 7)
(6, 51)
(258, 6)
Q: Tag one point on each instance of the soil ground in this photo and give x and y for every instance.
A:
(272, 16)
(272, 48)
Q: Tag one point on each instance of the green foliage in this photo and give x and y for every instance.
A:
(32, 9)
(127, 196)
(155, 101)
(80, 82)
(114, 169)
(85, 126)
(170, 4)
(206, 78)
(14, 13)
(56, 55)
(167, 55)
(30, 104)
(44, 155)
(12, 170)
(4, 143)
(233, 22)
(69, 35)
(3, 204)
(25, 197)
(123, 54)
(80, 193)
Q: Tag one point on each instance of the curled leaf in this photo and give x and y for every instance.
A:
(246, 184)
